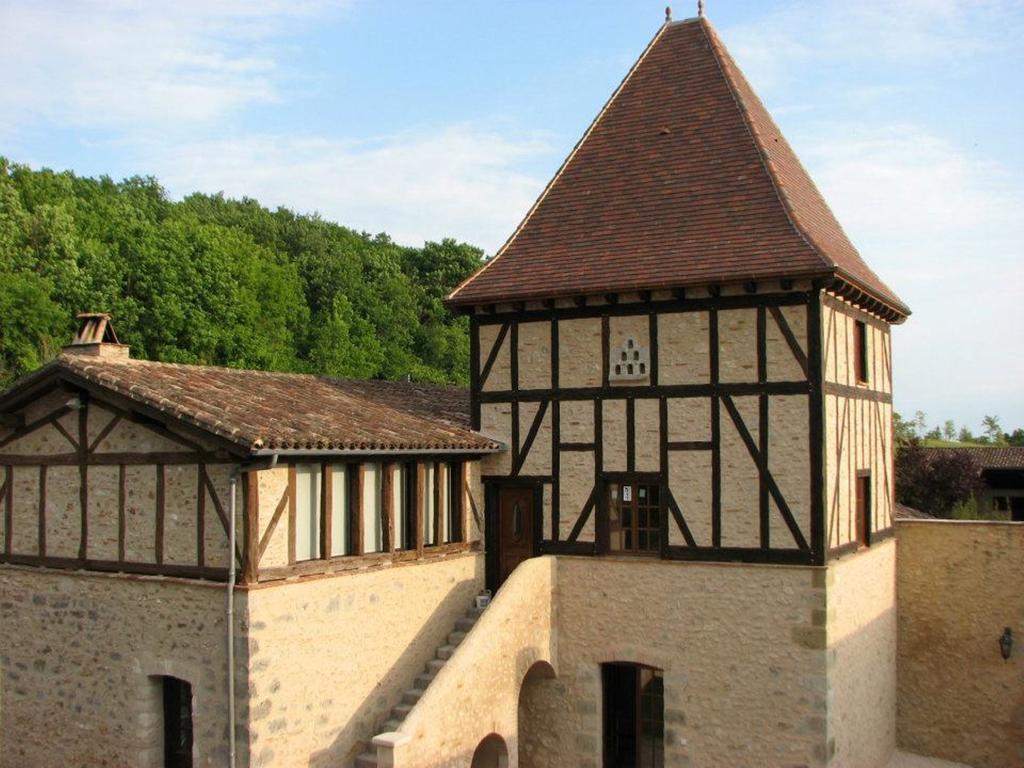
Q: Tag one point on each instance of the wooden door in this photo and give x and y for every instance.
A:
(515, 529)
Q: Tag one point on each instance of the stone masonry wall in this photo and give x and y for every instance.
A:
(959, 585)
(79, 654)
(862, 656)
(742, 649)
(329, 657)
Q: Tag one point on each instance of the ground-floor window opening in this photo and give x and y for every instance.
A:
(177, 708)
(634, 716)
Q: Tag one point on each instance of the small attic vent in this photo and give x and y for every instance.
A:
(96, 336)
(630, 362)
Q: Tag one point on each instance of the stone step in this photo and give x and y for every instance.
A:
(465, 624)
(423, 681)
(392, 725)
(434, 666)
(401, 711)
(456, 637)
(412, 695)
(445, 652)
(367, 760)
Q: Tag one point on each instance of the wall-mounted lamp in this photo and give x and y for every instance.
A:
(1006, 643)
(74, 403)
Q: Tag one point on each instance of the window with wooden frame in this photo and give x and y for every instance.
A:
(341, 541)
(454, 502)
(634, 515)
(634, 716)
(403, 486)
(308, 514)
(373, 508)
(860, 351)
(864, 511)
(431, 494)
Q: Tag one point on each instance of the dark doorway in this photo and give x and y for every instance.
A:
(634, 716)
(177, 723)
(1017, 509)
(515, 528)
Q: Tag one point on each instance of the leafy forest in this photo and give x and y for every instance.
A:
(211, 280)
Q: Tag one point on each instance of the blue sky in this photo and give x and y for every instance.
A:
(433, 119)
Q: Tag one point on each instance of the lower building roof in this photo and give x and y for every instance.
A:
(261, 412)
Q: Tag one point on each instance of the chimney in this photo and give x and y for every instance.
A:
(96, 337)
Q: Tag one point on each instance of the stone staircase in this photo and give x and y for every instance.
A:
(399, 712)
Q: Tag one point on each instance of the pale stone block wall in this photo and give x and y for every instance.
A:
(273, 483)
(330, 657)
(500, 377)
(535, 355)
(579, 349)
(737, 345)
(790, 465)
(861, 626)
(740, 507)
(77, 660)
(683, 347)
(538, 461)
(577, 482)
(613, 430)
(742, 649)
(959, 585)
(477, 692)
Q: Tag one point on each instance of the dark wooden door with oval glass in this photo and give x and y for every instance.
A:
(515, 529)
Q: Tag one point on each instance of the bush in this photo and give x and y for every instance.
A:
(938, 481)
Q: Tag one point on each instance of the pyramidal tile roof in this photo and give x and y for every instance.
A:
(682, 179)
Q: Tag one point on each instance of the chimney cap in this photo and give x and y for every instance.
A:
(96, 336)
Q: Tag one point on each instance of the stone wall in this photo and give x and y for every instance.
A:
(861, 627)
(329, 657)
(742, 649)
(959, 585)
(477, 693)
(78, 660)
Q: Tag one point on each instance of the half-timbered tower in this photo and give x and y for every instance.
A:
(690, 362)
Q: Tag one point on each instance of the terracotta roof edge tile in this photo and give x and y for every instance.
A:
(452, 297)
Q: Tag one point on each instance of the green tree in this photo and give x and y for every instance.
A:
(992, 429)
(949, 430)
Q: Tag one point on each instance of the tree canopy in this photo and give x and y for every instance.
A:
(217, 281)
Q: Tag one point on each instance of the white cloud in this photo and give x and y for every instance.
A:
(459, 181)
(946, 230)
(776, 47)
(117, 63)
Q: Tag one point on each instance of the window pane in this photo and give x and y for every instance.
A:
(428, 505)
(307, 511)
(442, 484)
(339, 510)
(398, 494)
(373, 530)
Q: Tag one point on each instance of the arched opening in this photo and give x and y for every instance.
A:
(491, 753)
(539, 704)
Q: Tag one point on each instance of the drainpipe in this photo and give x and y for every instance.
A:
(232, 568)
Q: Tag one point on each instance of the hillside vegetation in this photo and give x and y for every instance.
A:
(218, 281)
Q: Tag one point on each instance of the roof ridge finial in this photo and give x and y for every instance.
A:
(668, 13)
(700, 9)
